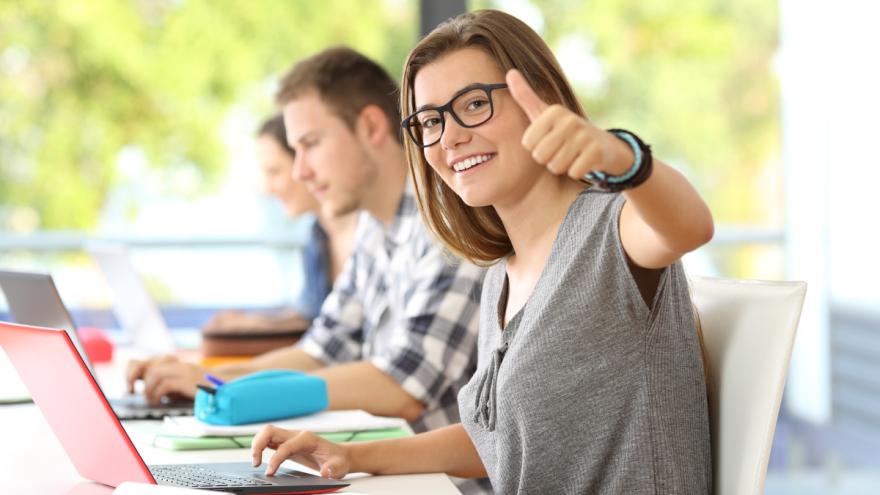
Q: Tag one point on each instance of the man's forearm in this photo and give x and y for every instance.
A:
(360, 385)
(289, 358)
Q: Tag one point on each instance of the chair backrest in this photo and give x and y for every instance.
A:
(748, 328)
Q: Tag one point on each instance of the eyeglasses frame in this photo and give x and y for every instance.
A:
(448, 108)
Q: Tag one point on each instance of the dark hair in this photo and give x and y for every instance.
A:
(346, 81)
(274, 128)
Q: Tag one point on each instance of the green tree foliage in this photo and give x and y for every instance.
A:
(693, 77)
(81, 80)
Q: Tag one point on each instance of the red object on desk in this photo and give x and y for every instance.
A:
(96, 343)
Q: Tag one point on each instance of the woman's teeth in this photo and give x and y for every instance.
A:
(470, 162)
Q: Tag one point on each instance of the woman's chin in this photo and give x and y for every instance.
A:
(475, 200)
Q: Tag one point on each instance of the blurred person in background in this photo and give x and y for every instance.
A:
(324, 253)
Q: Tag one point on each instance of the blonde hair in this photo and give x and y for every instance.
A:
(476, 233)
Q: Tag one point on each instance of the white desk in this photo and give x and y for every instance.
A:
(33, 462)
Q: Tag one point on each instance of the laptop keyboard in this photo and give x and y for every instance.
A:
(199, 477)
(136, 407)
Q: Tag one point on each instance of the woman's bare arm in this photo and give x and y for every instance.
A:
(663, 219)
(447, 450)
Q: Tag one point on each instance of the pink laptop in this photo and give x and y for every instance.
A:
(94, 440)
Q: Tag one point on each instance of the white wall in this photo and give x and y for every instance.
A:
(830, 71)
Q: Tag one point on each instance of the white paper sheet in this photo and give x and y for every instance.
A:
(322, 422)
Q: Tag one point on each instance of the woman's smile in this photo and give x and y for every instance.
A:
(464, 164)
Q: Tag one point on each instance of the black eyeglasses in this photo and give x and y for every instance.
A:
(470, 108)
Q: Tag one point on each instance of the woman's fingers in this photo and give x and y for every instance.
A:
(544, 140)
(559, 137)
(552, 120)
(300, 448)
(586, 161)
(303, 447)
(563, 160)
(270, 436)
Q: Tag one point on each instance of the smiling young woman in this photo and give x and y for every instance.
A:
(500, 45)
(591, 374)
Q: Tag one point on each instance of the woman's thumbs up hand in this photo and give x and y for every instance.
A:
(563, 141)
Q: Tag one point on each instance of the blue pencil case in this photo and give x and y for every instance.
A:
(261, 397)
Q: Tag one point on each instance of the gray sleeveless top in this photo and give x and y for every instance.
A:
(588, 390)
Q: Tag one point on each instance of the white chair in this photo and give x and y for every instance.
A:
(748, 328)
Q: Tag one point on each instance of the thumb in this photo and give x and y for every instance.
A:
(330, 467)
(525, 95)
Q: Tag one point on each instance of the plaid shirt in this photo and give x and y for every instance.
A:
(399, 304)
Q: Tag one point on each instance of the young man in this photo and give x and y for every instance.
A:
(397, 335)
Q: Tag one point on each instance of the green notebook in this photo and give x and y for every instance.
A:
(155, 435)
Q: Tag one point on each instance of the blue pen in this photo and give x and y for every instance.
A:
(215, 380)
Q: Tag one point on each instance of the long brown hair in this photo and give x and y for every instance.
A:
(477, 233)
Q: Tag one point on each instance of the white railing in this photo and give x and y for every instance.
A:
(72, 241)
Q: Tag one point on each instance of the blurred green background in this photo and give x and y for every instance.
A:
(85, 83)
(84, 79)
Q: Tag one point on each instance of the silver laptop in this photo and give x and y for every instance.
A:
(33, 300)
(133, 306)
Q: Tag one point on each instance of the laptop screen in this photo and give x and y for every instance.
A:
(73, 405)
(133, 305)
(33, 300)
